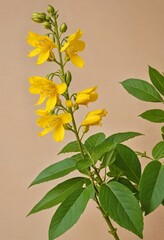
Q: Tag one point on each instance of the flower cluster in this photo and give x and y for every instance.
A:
(58, 115)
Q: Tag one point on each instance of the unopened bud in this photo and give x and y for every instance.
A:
(69, 103)
(67, 58)
(48, 18)
(50, 9)
(63, 28)
(68, 78)
(38, 17)
(47, 25)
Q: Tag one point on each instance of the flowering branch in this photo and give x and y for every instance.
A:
(110, 171)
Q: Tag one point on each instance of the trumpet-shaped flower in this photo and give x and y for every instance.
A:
(43, 46)
(86, 96)
(52, 122)
(72, 47)
(94, 118)
(47, 89)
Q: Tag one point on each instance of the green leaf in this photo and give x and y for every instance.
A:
(115, 171)
(120, 204)
(70, 147)
(122, 137)
(94, 140)
(157, 79)
(101, 149)
(59, 193)
(128, 162)
(142, 90)
(153, 115)
(56, 170)
(128, 184)
(151, 188)
(108, 158)
(158, 150)
(84, 164)
(70, 211)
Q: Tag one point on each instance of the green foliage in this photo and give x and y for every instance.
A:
(128, 184)
(56, 170)
(94, 140)
(153, 115)
(70, 211)
(59, 193)
(157, 79)
(122, 137)
(142, 90)
(120, 204)
(70, 147)
(101, 149)
(151, 188)
(158, 150)
(128, 162)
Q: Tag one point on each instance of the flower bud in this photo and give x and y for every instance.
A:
(69, 103)
(68, 78)
(38, 17)
(47, 25)
(63, 28)
(48, 18)
(50, 9)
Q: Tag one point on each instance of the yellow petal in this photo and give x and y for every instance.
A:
(93, 97)
(41, 99)
(43, 56)
(59, 133)
(82, 99)
(89, 90)
(34, 52)
(91, 120)
(51, 102)
(65, 118)
(33, 38)
(64, 47)
(45, 131)
(80, 45)
(61, 88)
(76, 60)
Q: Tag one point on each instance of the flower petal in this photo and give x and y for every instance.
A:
(82, 99)
(76, 60)
(59, 133)
(91, 120)
(42, 98)
(61, 88)
(51, 102)
(65, 118)
(45, 131)
(34, 52)
(43, 56)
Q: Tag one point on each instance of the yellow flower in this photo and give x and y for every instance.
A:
(72, 47)
(47, 89)
(43, 46)
(86, 96)
(94, 118)
(52, 122)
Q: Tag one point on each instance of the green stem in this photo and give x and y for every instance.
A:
(112, 230)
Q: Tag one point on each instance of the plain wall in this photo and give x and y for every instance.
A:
(122, 38)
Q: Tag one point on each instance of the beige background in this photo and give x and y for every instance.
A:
(123, 37)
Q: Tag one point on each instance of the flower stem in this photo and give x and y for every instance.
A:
(112, 230)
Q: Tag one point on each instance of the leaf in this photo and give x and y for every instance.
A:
(115, 171)
(55, 170)
(128, 162)
(84, 164)
(94, 140)
(151, 188)
(120, 204)
(108, 158)
(70, 211)
(142, 90)
(158, 150)
(153, 115)
(59, 193)
(128, 184)
(157, 79)
(101, 149)
(70, 147)
(122, 137)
